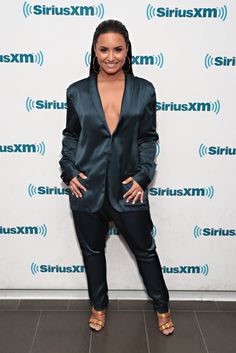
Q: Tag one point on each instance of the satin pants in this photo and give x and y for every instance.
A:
(91, 230)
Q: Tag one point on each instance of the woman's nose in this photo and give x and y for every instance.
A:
(110, 56)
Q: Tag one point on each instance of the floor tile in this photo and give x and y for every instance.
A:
(135, 305)
(218, 330)
(85, 305)
(193, 305)
(78, 304)
(61, 326)
(186, 337)
(17, 330)
(43, 304)
(228, 306)
(124, 333)
(62, 332)
(9, 304)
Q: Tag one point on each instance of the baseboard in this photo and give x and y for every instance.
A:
(115, 294)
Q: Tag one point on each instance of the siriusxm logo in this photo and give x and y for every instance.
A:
(203, 270)
(193, 192)
(25, 230)
(56, 269)
(216, 151)
(23, 148)
(114, 231)
(46, 190)
(155, 60)
(189, 107)
(212, 232)
(53, 10)
(19, 58)
(219, 61)
(44, 104)
(196, 12)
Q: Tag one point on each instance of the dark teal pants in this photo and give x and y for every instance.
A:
(136, 228)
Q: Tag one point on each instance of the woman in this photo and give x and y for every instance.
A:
(108, 152)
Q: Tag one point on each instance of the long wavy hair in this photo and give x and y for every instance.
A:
(113, 26)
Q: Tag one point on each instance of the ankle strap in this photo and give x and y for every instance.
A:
(98, 312)
(163, 314)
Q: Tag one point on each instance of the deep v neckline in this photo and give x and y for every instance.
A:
(121, 109)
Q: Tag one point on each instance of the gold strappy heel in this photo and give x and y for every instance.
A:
(168, 324)
(94, 320)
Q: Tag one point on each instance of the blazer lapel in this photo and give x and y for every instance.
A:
(126, 100)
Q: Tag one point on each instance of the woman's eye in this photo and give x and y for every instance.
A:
(118, 49)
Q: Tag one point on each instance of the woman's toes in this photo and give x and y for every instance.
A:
(168, 331)
(96, 327)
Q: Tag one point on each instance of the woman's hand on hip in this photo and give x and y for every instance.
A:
(135, 192)
(75, 185)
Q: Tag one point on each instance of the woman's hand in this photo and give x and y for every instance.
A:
(75, 185)
(135, 192)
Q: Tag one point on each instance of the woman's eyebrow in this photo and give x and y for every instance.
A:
(119, 46)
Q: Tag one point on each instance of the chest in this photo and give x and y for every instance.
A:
(111, 96)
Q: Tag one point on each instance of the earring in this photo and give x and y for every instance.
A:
(94, 66)
(129, 64)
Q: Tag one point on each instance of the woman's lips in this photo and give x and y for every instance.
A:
(110, 65)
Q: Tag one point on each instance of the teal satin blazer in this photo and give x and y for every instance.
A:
(88, 146)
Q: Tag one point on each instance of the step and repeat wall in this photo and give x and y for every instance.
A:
(187, 50)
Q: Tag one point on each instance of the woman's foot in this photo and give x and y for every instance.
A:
(166, 325)
(97, 319)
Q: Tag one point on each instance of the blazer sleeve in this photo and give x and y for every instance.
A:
(69, 142)
(147, 140)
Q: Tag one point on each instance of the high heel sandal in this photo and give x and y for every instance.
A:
(166, 325)
(94, 320)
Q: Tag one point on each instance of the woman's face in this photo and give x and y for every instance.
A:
(111, 52)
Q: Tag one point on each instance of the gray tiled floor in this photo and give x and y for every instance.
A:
(61, 326)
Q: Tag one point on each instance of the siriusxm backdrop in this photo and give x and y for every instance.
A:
(187, 50)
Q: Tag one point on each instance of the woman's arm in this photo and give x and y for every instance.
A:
(69, 142)
(147, 139)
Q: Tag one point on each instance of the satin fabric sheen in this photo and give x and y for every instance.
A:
(89, 147)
